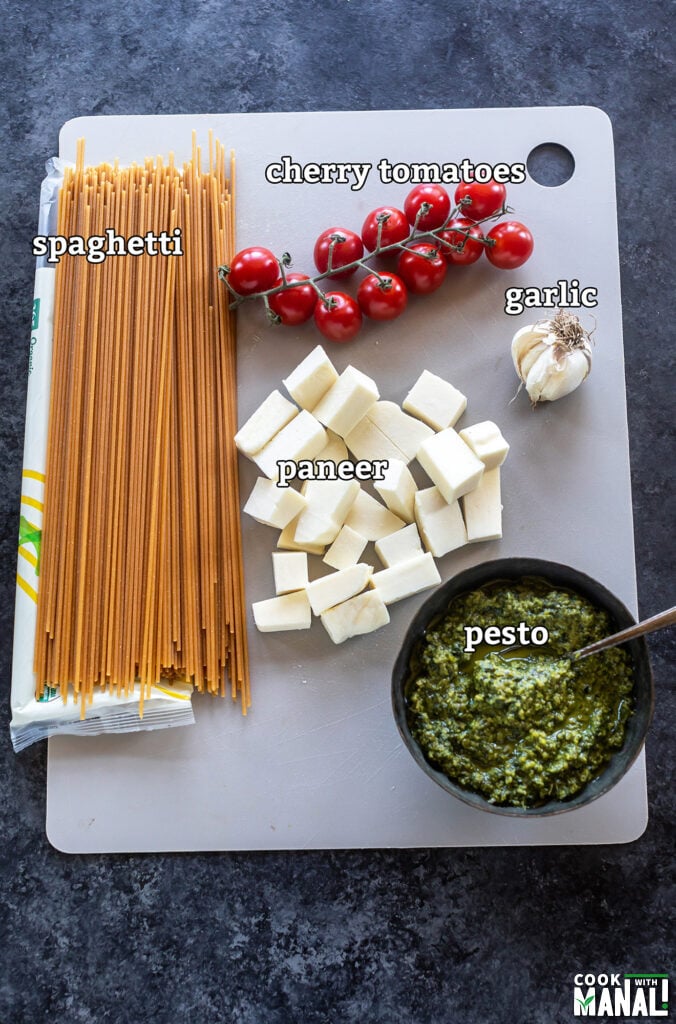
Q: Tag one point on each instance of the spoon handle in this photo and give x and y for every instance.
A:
(660, 621)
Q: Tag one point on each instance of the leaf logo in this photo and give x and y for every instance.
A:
(29, 534)
(586, 1002)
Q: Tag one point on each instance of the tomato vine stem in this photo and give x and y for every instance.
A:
(415, 236)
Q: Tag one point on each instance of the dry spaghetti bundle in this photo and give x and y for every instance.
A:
(141, 572)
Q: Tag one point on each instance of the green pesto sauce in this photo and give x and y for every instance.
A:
(519, 726)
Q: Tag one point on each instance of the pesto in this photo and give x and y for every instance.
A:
(524, 725)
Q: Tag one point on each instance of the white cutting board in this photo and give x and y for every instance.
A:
(318, 762)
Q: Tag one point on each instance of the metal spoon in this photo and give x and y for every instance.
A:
(660, 621)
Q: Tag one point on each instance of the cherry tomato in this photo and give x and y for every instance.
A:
(383, 298)
(513, 245)
(343, 252)
(296, 305)
(253, 270)
(487, 197)
(395, 228)
(339, 317)
(420, 270)
(438, 200)
(471, 250)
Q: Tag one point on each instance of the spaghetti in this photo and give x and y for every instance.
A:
(141, 572)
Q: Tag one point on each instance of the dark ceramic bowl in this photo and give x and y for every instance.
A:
(560, 575)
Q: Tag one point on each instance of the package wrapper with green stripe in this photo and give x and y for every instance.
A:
(34, 719)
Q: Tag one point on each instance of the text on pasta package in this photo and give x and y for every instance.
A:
(287, 171)
(97, 248)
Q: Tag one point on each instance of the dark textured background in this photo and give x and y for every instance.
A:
(470, 936)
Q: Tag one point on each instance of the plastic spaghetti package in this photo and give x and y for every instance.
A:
(36, 717)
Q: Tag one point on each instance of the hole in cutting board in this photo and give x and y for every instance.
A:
(550, 164)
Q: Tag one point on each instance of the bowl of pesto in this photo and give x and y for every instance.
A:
(492, 709)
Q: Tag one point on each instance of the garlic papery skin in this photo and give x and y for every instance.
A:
(552, 357)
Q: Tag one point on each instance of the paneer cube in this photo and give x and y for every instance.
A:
(399, 546)
(286, 541)
(290, 571)
(291, 611)
(314, 529)
(398, 489)
(268, 419)
(346, 549)
(346, 401)
(335, 449)
(338, 586)
(367, 441)
(328, 503)
(406, 578)
(362, 614)
(486, 441)
(482, 508)
(406, 432)
(441, 525)
(302, 438)
(436, 402)
(311, 379)
(371, 519)
(450, 464)
(273, 505)
(333, 498)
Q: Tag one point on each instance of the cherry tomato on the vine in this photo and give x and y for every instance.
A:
(395, 227)
(253, 270)
(338, 316)
(382, 298)
(422, 268)
(439, 203)
(294, 305)
(487, 197)
(513, 245)
(471, 249)
(343, 252)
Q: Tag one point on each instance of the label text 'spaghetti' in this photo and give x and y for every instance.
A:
(97, 248)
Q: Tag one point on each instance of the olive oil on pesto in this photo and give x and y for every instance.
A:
(519, 726)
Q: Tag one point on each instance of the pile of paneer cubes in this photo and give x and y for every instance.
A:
(338, 426)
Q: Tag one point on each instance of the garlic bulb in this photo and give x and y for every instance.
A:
(552, 357)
